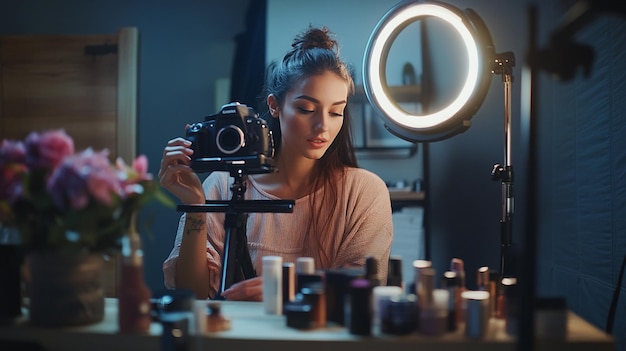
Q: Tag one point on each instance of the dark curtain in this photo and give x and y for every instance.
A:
(247, 77)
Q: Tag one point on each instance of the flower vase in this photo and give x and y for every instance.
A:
(65, 288)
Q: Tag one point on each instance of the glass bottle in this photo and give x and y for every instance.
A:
(134, 309)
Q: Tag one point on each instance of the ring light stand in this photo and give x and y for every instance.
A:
(482, 61)
(236, 261)
(503, 65)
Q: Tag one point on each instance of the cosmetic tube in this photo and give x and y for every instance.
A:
(272, 284)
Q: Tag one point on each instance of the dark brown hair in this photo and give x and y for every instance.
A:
(314, 52)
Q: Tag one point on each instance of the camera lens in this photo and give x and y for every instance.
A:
(230, 139)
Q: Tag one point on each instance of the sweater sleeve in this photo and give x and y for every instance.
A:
(369, 230)
(216, 187)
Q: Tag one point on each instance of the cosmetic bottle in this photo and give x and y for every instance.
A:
(358, 311)
(134, 307)
(289, 282)
(305, 265)
(305, 273)
(424, 287)
(381, 297)
(313, 295)
(272, 284)
(418, 265)
(510, 295)
(477, 314)
(485, 282)
(498, 297)
(371, 271)
(400, 315)
(433, 315)
(215, 321)
(450, 282)
(394, 272)
(457, 265)
(336, 286)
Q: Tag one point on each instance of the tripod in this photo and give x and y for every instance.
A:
(236, 261)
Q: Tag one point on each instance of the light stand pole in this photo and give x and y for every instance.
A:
(503, 65)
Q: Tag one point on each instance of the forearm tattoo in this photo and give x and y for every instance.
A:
(194, 224)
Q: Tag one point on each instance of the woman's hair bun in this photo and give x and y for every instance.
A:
(314, 38)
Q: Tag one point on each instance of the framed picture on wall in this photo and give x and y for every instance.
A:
(376, 135)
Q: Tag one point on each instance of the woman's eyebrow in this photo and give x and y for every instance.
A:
(316, 101)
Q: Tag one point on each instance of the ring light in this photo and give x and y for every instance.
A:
(451, 119)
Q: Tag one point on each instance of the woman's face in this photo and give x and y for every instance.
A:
(311, 115)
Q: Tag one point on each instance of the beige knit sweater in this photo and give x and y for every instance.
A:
(360, 226)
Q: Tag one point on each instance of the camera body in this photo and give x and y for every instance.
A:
(234, 139)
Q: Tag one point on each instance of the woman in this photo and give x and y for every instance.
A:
(342, 214)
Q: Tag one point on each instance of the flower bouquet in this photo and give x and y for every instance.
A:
(62, 200)
(69, 208)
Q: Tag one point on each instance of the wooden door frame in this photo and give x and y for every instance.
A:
(126, 143)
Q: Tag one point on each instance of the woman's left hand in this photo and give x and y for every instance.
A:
(247, 290)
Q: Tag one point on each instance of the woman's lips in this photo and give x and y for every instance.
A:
(317, 142)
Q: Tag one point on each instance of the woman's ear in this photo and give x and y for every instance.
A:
(272, 105)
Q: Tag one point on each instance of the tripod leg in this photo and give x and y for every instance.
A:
(236, 261)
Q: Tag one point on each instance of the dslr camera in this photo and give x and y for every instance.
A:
(235, 139)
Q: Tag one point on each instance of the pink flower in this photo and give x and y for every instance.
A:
(12, 152)
(84, 175)
(48, 149)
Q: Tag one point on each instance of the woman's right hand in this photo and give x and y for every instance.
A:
(176, 174)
